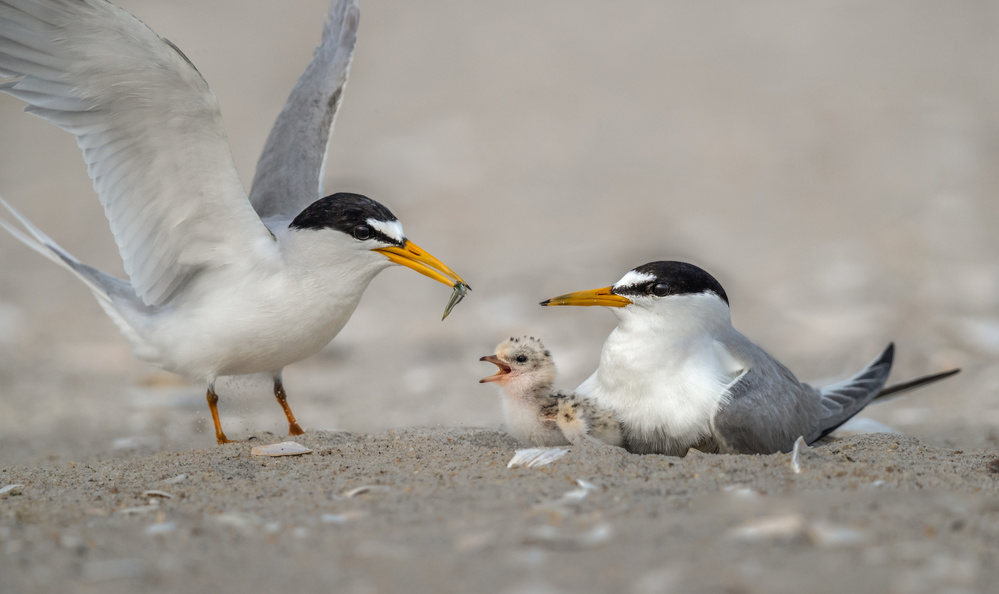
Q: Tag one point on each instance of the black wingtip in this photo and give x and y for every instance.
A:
(888, 356)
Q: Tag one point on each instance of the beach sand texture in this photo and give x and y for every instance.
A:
(832, 164)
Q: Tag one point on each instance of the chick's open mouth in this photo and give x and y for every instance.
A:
(503, 371)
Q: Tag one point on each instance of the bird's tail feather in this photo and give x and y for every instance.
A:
(842, 400)
(44, 245)
(110, 291)
(919, 382)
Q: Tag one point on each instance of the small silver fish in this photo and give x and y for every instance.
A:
(460, 290)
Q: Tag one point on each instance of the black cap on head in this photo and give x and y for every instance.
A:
(348, 213)
(673, 278)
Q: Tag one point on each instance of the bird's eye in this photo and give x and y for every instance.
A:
(362, 232)
(521, 358)
(660, 289)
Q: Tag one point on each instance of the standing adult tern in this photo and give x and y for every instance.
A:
(219, 283)
(679, 376)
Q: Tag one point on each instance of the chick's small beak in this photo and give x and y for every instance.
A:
(602, 296)
(504, 369)
(413, 256)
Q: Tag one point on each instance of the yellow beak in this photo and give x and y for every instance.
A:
(593, 297)
(413, 256)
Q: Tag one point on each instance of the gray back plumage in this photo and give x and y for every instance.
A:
(767, 408)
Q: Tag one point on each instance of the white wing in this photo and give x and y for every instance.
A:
(150, 130)
(289, 173)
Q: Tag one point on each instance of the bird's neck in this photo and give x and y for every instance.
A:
(528, 392)
(335, 275)
(669, 346)
(681, 323)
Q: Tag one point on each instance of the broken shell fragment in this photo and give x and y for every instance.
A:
(284, 448)
(11, 490)
(157, 493)
(364, 489)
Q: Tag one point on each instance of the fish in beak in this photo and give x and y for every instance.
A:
(413, 256)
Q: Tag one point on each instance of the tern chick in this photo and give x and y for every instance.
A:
(534, 411)
(679, 376)
(220, 282)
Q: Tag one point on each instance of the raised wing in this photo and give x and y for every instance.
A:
(150, 131)
(289, 173)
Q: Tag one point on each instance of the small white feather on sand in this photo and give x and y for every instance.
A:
(533, 457)
(799, 445)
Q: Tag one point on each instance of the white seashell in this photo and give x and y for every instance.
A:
(142, 509)
(553, 537)
(161, 528)
(741, 491)
(11, 490)
(174, 480)
(341, 518)
(272, 527)
(533, 457)
(238, 521)
(157, 493)
(364, 489)
(771, 528)
(73, 543)
(577, 495)
(285, 448)
(826, 535)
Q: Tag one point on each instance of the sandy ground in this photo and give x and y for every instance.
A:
(832, 164)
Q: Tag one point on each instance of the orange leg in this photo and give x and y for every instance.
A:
(282, 398)
(213, 402)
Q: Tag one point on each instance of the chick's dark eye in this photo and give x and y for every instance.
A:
(521, 358)
(660, 289)
(362, 232)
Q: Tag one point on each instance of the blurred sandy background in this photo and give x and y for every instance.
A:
(833, 164)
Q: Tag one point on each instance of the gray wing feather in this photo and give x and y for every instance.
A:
(842, 400)
(289, 172)
(150, 131)
(767, 408)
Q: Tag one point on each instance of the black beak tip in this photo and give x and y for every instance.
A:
(545, 302)
(483, 358)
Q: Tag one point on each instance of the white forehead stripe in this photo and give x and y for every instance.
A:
(633, 278)
(392, 229)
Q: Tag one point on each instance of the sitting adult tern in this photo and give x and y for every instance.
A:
(219, 284)
(679, 376)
